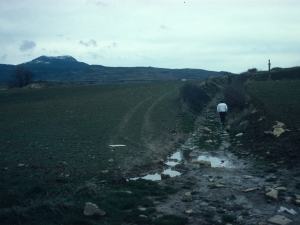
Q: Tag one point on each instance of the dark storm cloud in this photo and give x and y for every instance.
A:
(27, 45)
(89, 43)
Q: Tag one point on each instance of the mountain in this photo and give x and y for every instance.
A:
(58, 61)
(68, 69)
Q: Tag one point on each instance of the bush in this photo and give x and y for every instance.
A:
(21, 77)
(235, 94)
(193, 96)
(235, 97)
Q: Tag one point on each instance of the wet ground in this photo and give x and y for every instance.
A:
(217, 186)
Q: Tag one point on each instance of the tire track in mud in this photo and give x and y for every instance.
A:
(126, 119)
(148, 130)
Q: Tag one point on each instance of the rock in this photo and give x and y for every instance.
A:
(247, 177)
(297, 202)
(209, 141)
(279, 125)
(165, 176)
(111, 160)
(261, 118)
(220, 185)
(280, 188)
(250, 189)
(240, 220)
(278, 131)
(104, 171)
(297, 197)
(189, 212)
(205, 163)
(228, 128)
(201, 162)
(92, 209)
(159, 161)
(272, 193)
(207, 129)
(187, 197)
(281, 220)
(211, 180)
(288, 199)
(239, 135)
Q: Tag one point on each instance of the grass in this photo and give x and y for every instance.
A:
(55, 145)
(271, 93)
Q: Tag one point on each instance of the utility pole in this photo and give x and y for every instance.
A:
(269, 77)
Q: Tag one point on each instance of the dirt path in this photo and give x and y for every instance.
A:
(236, 190)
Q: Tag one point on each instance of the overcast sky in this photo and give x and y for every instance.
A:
(218, 35)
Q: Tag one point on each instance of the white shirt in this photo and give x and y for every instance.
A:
(222, 107)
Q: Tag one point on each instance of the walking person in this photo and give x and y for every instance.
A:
(222, 109)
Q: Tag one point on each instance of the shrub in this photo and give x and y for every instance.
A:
(21, 77)
(194, 96)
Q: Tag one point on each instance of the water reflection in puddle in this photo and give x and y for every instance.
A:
(217, 158)
(157, 176)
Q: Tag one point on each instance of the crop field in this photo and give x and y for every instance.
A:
(60, 136)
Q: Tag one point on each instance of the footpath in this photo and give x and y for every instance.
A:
(218, 187)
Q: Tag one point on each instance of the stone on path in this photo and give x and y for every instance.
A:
(187, 197)
(247, 177)
(228, 128)
(239, 135)
(207, 129)
(189, 212)
(250, 189)
(281, 220)
(272, 193)
(201, 162)
(92, 209)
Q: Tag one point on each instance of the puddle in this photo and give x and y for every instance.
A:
(218, 158)
(290, 211)
(157, 176)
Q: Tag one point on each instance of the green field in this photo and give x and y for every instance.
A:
(56, 139)
(67, 131)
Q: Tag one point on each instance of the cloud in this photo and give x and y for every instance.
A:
(164, 27)
(95, 55)
(27, 45)
(99, 3)
(3, 57)
(89, 43)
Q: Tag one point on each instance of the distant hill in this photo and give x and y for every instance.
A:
(68, 69)
(58, 61)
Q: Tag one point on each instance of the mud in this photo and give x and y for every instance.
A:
(234, 184)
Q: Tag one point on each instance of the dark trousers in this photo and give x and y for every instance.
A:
(222, 116)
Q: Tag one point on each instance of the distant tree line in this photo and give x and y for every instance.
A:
(20, 77)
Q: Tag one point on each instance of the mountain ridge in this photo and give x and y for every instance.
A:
(67, 69)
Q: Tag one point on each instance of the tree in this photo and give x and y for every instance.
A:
(253, 70)
(20, 77)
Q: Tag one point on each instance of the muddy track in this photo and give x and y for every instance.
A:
(207, 193)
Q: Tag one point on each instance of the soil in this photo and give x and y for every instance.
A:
(236, 192)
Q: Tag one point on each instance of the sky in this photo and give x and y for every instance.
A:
(216, 35)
